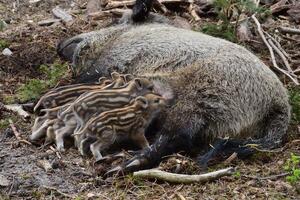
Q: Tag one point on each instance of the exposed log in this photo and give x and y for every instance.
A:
(182, 178)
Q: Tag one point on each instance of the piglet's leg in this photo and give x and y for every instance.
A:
(140, 140)
(61, 134)
(95, 149)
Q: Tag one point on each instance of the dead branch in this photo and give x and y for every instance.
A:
(16, 133)
(260, 31)
(279, 6)
(289, 30)
(56, 152)
(182, 178)
(278, 45)
(18, 109)
(283, 58)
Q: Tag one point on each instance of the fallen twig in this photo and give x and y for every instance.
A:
(273, 177)
(58, 191)
(260, 31)
(16, 133)
(18, 109)
(278, 45)
(182, 178)
(283, 58)
(56, 152)
(289, 30)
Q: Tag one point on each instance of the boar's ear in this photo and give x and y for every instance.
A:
(115, 75)
(141, 10)
(66, 48)
(142, 101)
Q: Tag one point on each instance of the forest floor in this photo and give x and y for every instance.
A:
(74, 177)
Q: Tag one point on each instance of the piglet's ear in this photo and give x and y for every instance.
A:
(102, 79)
(142, 101)
(115, 75)
(138, 83)
(128, 77)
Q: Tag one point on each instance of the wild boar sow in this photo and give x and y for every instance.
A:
(217, 89)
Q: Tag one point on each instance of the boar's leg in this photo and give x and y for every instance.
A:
(149, 157)
(226, 147)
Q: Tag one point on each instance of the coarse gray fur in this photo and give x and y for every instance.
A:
(219, 89)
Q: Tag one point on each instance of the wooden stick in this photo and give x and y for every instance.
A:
(278, 45)
(182, 178)
(260, 31)
(18, 109)
(16, 133)
(283, 58)
(289, 30)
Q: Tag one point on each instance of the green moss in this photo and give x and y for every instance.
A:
(292, 166)
(3, 44)
(4, 123)
(225, 31)
(228, 11)
(35, 87)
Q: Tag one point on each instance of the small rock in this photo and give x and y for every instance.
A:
(7, 52)
(45, 164)
(48, 22)
(4, 182)
(61, 14)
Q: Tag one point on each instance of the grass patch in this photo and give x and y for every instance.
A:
(3, 44)
(35, 87)
(228, 11)
(292, 166)
(4, 123)
(295, 103)
(225, 31)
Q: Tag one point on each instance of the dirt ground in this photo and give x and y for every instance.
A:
(75, 177)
